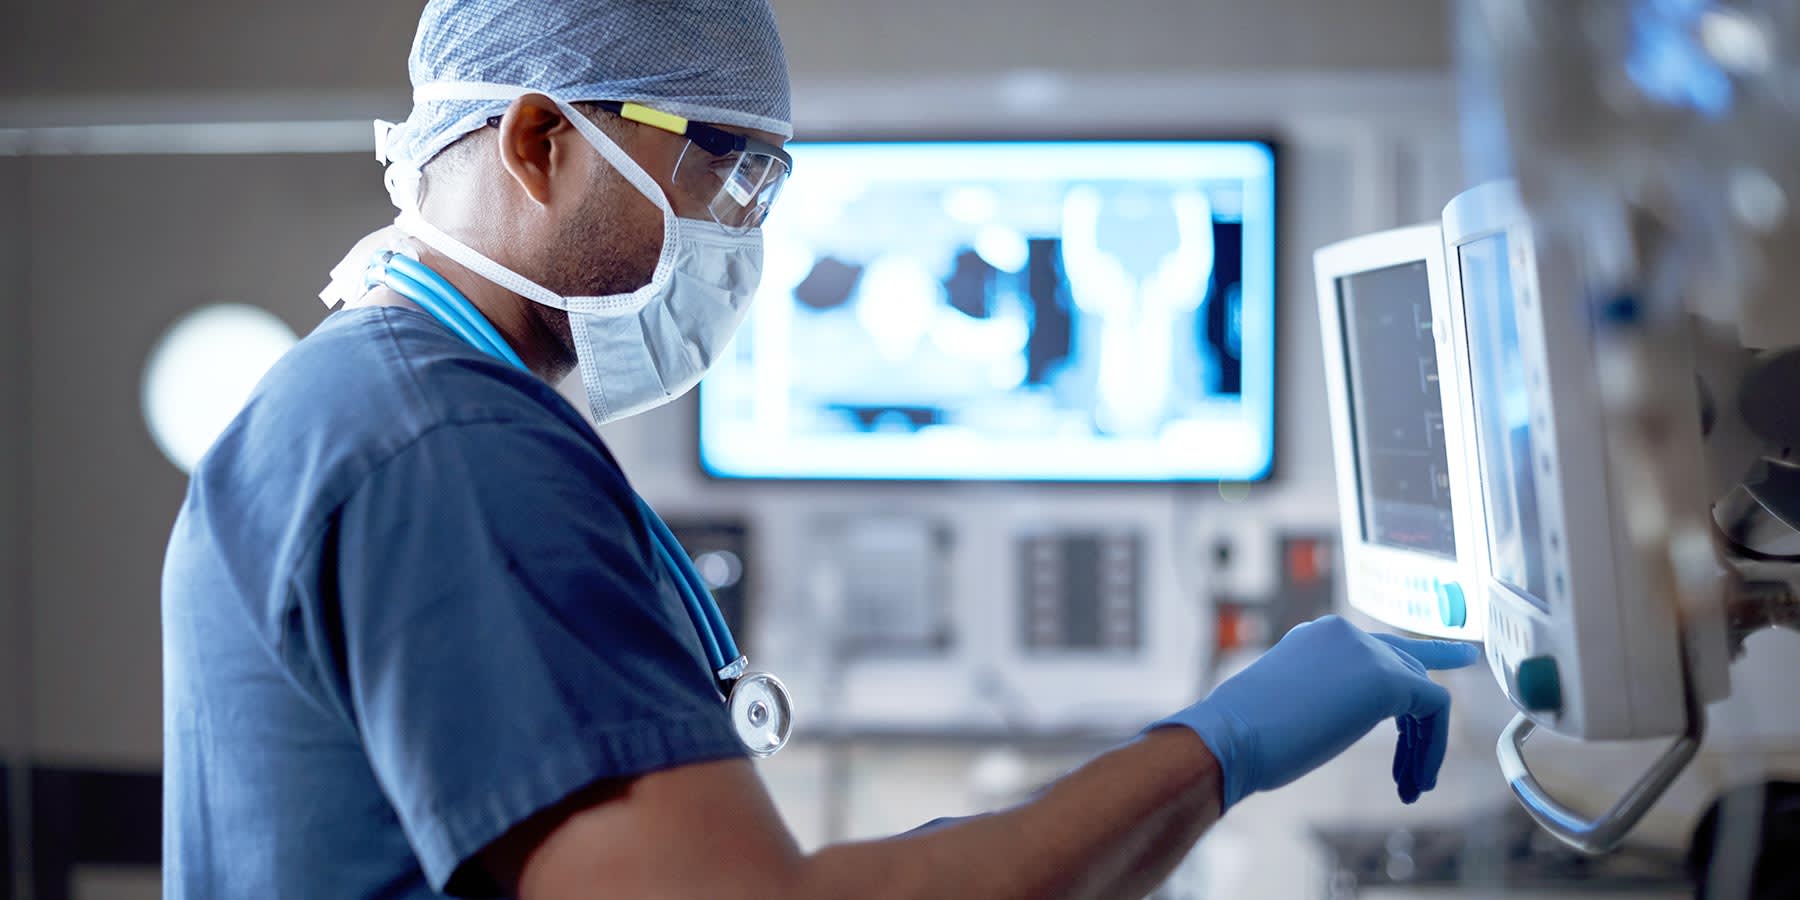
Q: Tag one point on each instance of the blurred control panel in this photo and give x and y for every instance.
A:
(1081, 591)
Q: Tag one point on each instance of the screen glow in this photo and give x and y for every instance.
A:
(1080, 311)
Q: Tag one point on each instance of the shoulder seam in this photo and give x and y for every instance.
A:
(338, 503)
(290, 579)
(412, 381)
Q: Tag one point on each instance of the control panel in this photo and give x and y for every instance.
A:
(1414, 600)
(1081, 592)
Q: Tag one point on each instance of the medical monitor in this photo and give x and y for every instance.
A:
(1399, 431)
(1577, 633)
(1090, 311)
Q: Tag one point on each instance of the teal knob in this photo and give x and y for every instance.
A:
(1540, 688)
(1453, 608)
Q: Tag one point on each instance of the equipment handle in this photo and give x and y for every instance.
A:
(1603, 834)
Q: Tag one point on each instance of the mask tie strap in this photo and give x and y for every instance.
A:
(485, 90)
(414, 224)
(621, 161)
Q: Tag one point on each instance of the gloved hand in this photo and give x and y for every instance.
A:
(1319, 690)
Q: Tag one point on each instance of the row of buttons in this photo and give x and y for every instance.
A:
(1423, 597)
(1536, 681)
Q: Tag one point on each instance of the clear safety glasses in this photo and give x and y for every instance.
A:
(735, 176)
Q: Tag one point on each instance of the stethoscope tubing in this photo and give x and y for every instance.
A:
(709, 639)
(716, 628)
(411, 289)
(426, 277)
(417, 282)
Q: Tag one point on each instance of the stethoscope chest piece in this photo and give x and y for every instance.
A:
(761, 713)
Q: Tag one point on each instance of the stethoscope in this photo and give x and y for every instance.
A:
(757, 702)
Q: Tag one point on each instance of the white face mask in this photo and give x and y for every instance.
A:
(639, 350)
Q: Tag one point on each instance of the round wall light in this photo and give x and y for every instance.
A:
(201, 372)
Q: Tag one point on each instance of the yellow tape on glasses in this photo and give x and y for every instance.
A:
(655, 118)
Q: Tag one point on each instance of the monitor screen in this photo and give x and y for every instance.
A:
(1396, 414)
(1043, 311)
(1503, 437)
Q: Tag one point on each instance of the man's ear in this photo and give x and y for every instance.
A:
(527, 143)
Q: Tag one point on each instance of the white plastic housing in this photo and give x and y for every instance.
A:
(1604, 630)
(1409, 589)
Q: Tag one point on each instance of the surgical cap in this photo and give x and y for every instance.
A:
(716, 61)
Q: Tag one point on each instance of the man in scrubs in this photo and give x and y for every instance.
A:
(417, 639)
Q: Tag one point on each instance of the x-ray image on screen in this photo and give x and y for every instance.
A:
(1092, 311)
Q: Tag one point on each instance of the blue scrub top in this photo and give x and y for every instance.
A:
(407, 604)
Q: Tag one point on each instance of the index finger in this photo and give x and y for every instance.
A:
(1434, 654)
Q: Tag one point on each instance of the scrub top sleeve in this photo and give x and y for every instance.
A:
(507, 639)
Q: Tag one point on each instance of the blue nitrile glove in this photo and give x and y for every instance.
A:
(1319, 690)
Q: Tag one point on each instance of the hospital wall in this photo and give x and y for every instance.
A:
(103, 252)
(15, 641)
(249, 57)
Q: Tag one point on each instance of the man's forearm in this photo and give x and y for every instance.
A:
(1113, 828)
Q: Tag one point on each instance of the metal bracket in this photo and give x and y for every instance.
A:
(1596, 836)
(733, 671)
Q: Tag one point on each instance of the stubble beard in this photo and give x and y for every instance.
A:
(598, 252)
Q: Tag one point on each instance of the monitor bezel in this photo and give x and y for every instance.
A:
(1370, 567)
(1604, 655)
(1270, 144)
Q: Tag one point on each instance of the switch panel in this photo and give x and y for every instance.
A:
(1081, 591)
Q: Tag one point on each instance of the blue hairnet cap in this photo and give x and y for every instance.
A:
(716, 61)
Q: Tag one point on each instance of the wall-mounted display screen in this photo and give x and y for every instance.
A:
(1403, 468)
(1043, 311)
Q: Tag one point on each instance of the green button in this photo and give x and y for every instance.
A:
(1453, 608)
(1540, 688)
